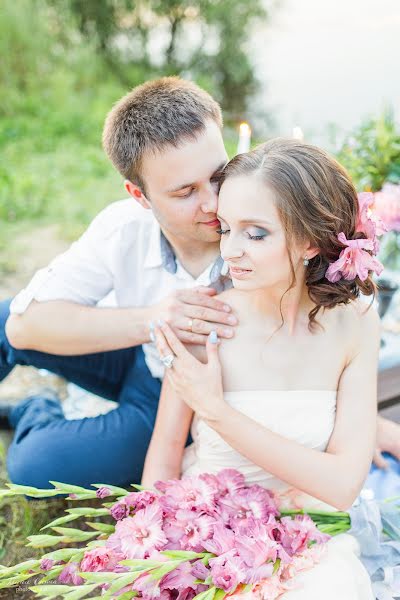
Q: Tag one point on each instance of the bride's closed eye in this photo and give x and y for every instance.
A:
(259, 235)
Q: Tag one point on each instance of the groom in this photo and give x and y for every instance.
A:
(158, 253)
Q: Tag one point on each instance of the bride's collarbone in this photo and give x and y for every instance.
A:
(252, 361)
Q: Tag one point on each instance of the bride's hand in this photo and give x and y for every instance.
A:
(196, 383)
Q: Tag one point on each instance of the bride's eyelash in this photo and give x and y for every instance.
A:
(251, 237)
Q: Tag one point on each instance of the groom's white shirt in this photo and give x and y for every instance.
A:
(124, 253)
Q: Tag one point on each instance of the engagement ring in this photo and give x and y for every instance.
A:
(167, 360)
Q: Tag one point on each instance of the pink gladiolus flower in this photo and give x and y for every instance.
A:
(189, 529)
(69, 575)
(353, 261)
(103, 492)
(119, 511)
(100, 559)
(227, 571)
(369, 222)
(180, 578)
(255, 543)
(222, 541)
(230, 481)
(200, 571)
(187, 494)
(138, 536)
(148, 586)
(252, 502)
(139, 500)
(46, 564)
(299, 532)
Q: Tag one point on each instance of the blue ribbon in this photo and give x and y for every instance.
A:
(376, 526)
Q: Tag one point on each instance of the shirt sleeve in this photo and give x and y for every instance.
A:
(83, 274)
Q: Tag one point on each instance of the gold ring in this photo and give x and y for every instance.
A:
(191, 325)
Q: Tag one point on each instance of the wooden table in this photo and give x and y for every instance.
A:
(389, 371)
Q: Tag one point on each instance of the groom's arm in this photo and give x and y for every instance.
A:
(67, 328)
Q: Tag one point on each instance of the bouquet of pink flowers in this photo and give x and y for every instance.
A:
(203, 537)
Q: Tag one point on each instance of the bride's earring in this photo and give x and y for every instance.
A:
(306, 261)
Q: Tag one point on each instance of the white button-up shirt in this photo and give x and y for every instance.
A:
(122, 259)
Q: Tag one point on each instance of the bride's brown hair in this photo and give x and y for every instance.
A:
(316, 200)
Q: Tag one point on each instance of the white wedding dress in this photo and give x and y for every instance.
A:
(307, 417)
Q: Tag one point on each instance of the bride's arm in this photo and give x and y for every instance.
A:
(164, 456)
(337, 475)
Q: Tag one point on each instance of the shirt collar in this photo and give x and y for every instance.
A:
(161, 254)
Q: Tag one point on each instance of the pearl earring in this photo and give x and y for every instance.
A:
(306, 261)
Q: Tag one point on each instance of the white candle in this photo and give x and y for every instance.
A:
(244, 138)
(297, 134)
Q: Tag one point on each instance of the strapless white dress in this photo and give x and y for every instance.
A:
(307, 417)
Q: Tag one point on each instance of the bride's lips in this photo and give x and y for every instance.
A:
(238, 273)
(213, 223)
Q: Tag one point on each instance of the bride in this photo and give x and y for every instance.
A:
(291, 400)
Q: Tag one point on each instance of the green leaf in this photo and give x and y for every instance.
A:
(219, 594)
(115, 490)
(125, 579)
(64, 554)
(140, 488)
(166, 568)
(87, 511)
(52, 574)
(74, 535)
(67, 488)
(207, 595)
(99, 577)
(277, 564)
(44, 541)
(184, 554)
(140, 564)
(26, 490)
(24, 566)
(103, 527)
(60, 521)
(81, 592)
(51, 591)
(10, 581)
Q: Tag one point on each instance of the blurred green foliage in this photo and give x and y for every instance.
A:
(371, 153)
(63, 65)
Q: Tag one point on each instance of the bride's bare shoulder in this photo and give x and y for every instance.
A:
(232, 297)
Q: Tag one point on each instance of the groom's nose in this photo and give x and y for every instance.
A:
(209, 200)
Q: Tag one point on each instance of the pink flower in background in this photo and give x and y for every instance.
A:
(138, 536)
(46, 564)
(227, 571)
(100, 559)
(387, 206)
(354, 261)
(148, 586)
(69, 575)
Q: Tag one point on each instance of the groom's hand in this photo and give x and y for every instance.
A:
(388, 440)
(194, 313)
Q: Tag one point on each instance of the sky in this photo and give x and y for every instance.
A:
(328, 62)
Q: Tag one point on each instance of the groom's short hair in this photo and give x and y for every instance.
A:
(153, 115)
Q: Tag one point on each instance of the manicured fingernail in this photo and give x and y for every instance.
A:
(227, 308)
(160, 322)
(232, 320)
(228, 332)
(213, 337)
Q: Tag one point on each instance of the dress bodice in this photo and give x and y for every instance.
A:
(307, 417)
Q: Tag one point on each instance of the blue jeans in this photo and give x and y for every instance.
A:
(109, 448)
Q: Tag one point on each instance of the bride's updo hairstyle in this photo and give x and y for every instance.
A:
(316, 201)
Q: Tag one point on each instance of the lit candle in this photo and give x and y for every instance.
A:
(297, 134)
(244, 138)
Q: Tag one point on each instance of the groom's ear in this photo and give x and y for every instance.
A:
(134, 190)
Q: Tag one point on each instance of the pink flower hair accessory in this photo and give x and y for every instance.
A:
(354, 261)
